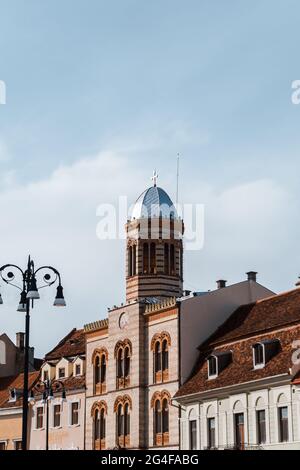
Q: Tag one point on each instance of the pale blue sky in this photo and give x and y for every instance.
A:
(146, 80)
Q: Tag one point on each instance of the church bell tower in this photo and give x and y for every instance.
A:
(154, 266)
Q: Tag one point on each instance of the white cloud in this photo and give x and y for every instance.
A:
(55, 221)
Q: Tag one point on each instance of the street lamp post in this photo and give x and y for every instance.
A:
(29, 293)
(46, 389)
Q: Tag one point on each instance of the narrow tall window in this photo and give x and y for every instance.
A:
(167, 259)
(258, 355)
(283, 424)
(126, 424)
(126, 362)
(96, 428)
(161, 422)
(261, 426)
(39, 417)
(99, 420)
(74, 413)
(120, 363)
(165, 416)
(172, 259)
(102, 425)
(211, 427)
(103, 369)
(239, 430)
(134, 260)
(157, 417)
(212, 366)
(157, 361)
(153, 258)
(130, 261)
(193, 434)
(145, 258)
(56, 416)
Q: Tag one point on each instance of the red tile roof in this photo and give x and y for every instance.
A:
(239, 333)
(8, 383)
(72, 345)
(261, 316)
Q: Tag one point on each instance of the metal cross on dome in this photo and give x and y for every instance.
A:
(154, 177)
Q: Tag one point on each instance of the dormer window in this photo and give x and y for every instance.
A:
(258, 356)
(212, 367)
(218, 361)
(77, 369)
(263, 352)
(46, 375)
(61, 373)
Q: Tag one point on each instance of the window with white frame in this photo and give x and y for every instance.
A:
(61, 373)
(74, 412)
(258, 355)
(192, 429)
(193, 434)
(261, 418)
(56, 415)
(264, 351)
(212, 367)
(39, 422)
(283, 419)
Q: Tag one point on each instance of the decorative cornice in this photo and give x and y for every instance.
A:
(168, 302)
(97, 325)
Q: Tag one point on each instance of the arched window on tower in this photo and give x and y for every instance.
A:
(134, 260)
(165, 360)
(160, 345)
(153, 258)
(123, 352)
(145, 258)
(167, 259)
(172, 260)
(130, 261)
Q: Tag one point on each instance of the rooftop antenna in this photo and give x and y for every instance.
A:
(177, 185)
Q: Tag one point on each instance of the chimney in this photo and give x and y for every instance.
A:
(221, 284)
(298, 283)
(252, 275)
(20, 341)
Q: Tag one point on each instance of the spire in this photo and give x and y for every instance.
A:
(154, 178)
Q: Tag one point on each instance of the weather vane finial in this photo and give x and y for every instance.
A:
(154, 177)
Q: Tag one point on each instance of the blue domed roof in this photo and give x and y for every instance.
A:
(154, 202)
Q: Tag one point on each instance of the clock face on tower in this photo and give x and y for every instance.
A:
(123, 320)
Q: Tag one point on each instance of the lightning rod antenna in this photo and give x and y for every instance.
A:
(177, 185)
